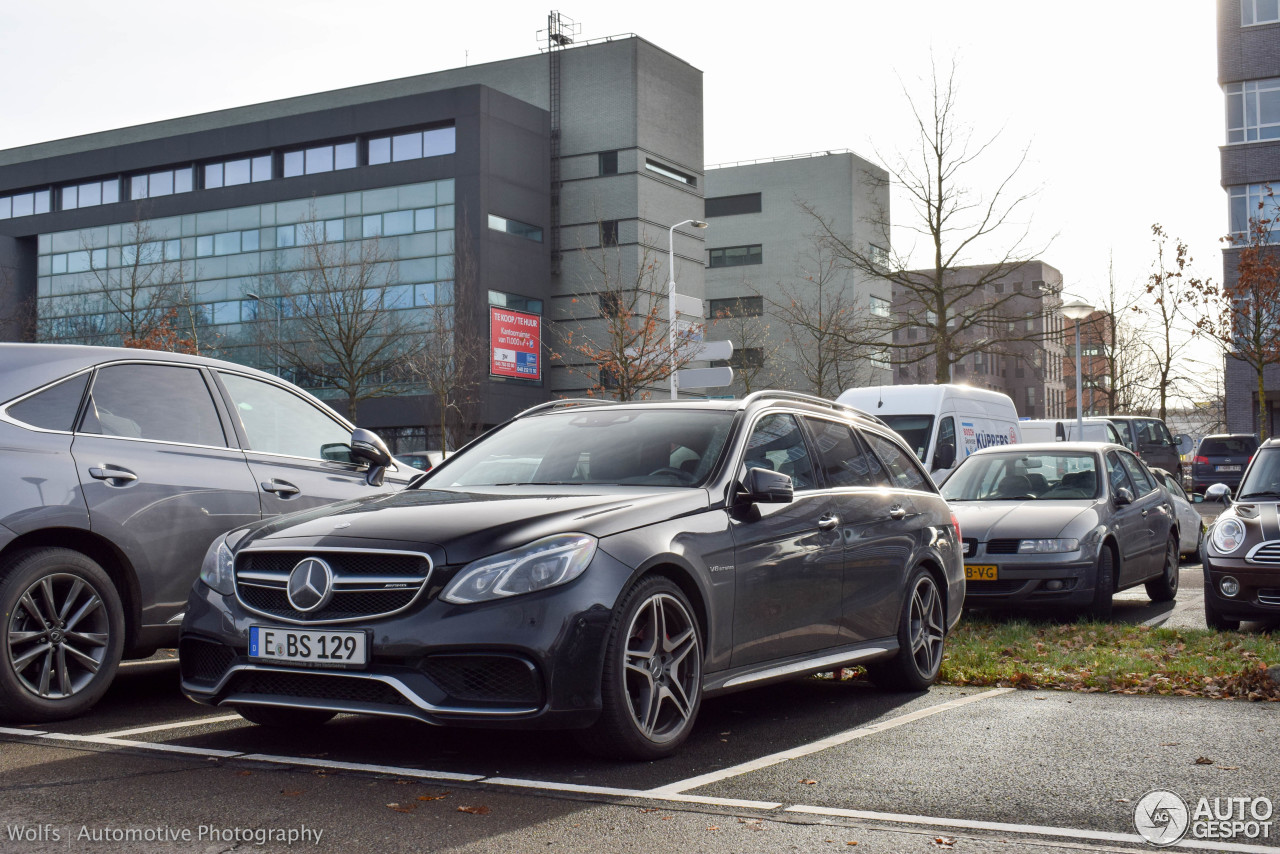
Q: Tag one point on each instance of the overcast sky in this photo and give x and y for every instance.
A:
(1117, 100)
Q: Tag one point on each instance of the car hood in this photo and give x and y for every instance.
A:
(474, 522)
(998, 520)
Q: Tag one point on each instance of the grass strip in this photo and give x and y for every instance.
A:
(1117, 659)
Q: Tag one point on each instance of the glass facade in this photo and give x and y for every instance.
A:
(206, 265)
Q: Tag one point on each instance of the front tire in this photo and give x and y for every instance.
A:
(1104, 586)
(921, 638)
(61, 635)
(1165, 588)
(651, 685)
(284, 717)
(1214, 619)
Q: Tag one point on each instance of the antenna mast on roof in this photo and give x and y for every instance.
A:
(560, 32)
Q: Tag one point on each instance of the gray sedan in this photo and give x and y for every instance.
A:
(1063, 524)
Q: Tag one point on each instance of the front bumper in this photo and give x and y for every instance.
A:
(1051, 580)
(1259, 596)
(530, 661)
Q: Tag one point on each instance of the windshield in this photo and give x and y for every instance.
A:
(627, 446)
(914, 429)
(1023, 477)
(1263, 478)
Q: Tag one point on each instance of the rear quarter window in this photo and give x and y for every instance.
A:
(54, 408)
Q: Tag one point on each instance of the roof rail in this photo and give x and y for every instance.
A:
(811, 399)
(565, 403)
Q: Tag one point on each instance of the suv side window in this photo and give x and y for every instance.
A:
(163, 403)
(843, 459)
(777, 443)
(54, 408)
(1116, 473)
(279, 422)
(1138, 473)
(903, 468)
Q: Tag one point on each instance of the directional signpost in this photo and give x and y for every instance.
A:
(704, 377)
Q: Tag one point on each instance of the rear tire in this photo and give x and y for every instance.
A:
(285, 718)
(61, 635)
(922, 632)
(1104, 586)
(1165, 588)
(651, 684)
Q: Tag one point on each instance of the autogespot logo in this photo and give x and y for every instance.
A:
(1161, 817)
(310, 585)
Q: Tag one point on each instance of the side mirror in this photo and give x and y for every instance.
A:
(1123, 496)
(944, 457)
(1219, 492)
(766, 486)
(1197, 498)
(368, 447)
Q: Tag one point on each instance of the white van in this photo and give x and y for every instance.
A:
(943, 424)
(1064, 430)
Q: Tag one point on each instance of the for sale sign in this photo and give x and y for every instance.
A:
(515, 344)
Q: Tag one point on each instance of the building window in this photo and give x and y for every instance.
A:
(1251, 201)
(91, 194)
(737, 307)
(163, 183)
(519, 229)
(735, 256)
(515, 301)
(611, 305)
(746, 203)
(608, 163)
(1253, 110)
(1259, 12)
(609, 232)
(878, 255)
(325, 158)
(24, 204)
(412, 146)
(879, 307)
(233, 172)
(668, 172)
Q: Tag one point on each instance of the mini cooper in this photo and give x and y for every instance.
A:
(1242, 552)
(591, 566)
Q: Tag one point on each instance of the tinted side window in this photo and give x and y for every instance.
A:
(1138, 473)
(843, 459)
(776, 443)
(903, 470)
(279, 422)
(165, 403)
(1116, 473)
(54, 408)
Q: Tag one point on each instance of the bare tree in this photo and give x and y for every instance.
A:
(343, 328)
(1166, 340)
(1128, 374)
(952, 300)
(618, 338)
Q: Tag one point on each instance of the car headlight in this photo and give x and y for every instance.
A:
(1044, 547)
(218, 569)
(1228, 535)
(541, 564)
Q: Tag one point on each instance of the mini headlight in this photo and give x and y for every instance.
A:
(1043, 547)
(1228, 535)
(218, 569)
(541, 564)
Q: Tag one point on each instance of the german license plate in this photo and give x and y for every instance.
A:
(981, 573)
(344, 650)
(1226, 468)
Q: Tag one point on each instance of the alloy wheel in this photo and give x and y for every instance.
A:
(57, 636)
(663, 667)
(926, 629)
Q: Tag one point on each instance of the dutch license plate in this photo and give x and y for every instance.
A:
(1226, 468)
(307, 647)
(981, 573)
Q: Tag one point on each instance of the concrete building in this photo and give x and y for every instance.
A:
(535, 161)
(1249, 73)
(1024, 354)
(1095, 344)
(761, 254)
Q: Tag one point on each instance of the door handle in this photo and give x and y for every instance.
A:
(897, 512)
(826, 523)
(1144, 513)
(281, 488)
(104, 473)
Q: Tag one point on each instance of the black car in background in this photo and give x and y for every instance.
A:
(118, 468)
(1150, 439)
(1222, 459)
(592, 567)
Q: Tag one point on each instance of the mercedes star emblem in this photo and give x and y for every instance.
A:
(310, 585)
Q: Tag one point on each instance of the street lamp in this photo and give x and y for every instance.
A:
(260, 301)
(1078, 311)
(671, 293)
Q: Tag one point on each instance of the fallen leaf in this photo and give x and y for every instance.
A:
(667, 817)
(712, 827)
(402, 807)
(1204, 760)
(433, 797)
(474, 810)
(243, 773)
(1122, 800)
(810, 782)
(650, 809)
(1228, 767)
(851, 843)
(944, 841)
(291, 793)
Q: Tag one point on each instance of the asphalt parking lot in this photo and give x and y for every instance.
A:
(803, 765)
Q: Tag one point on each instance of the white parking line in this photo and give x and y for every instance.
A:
(179, 725)
(393, 770)
(1029, 829)
(143, 745)
(822, 744)
(646, 794)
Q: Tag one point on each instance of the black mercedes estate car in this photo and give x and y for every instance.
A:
(591, 566)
